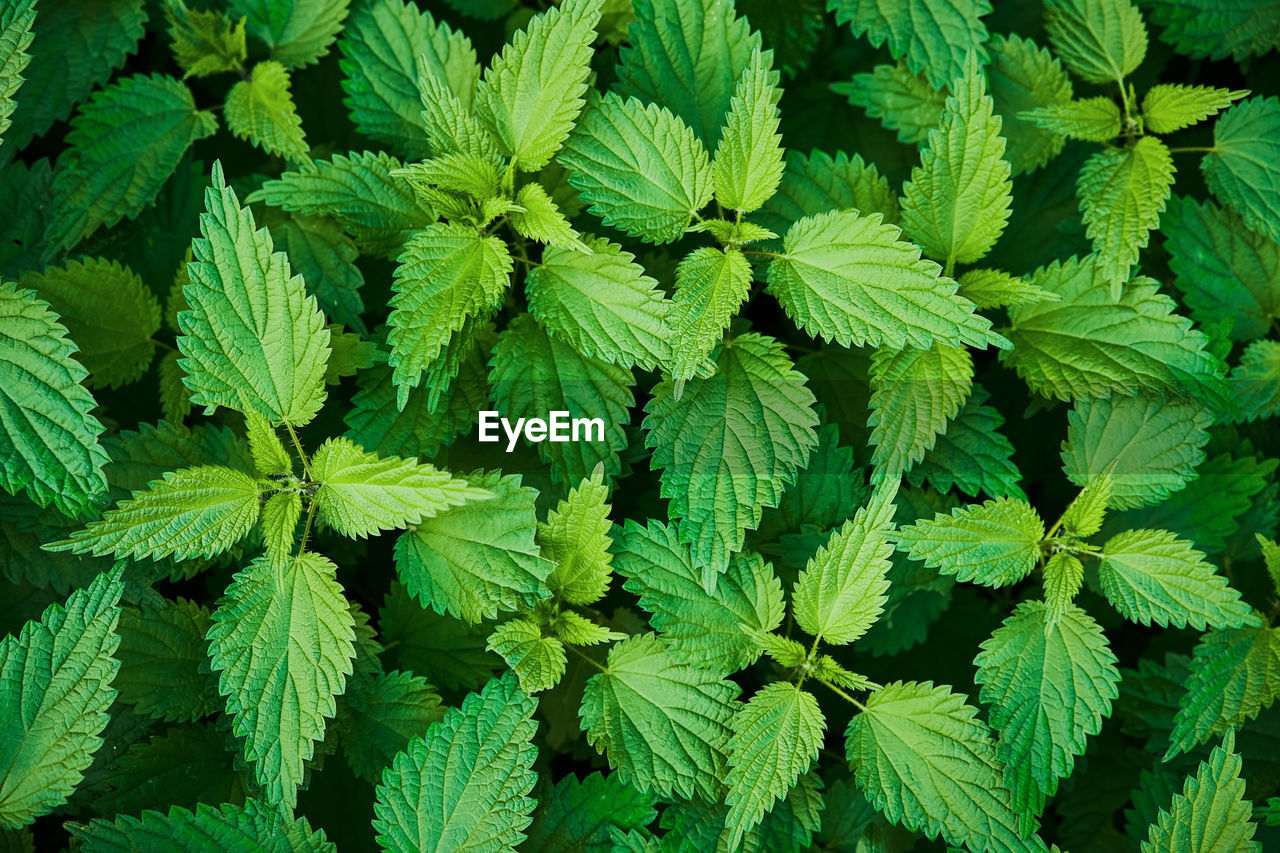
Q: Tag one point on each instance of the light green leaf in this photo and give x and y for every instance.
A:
(971, 455)
(162, 655)
(1024, 76)
(464, 785)
(298, 32)
(1122, 194)
(541, 219)
(922, 760)
(1152, 447)
(205, 42)
(717, 631)
(227, 829)
(357, 190)
(269, 455)
(280, 515)
(199, 511)
(261, 110)
(848, 278)
(448, 120)
(1050, 680)
(1084, 515)
(381, 715)
(1094, 119)
(1256, 381)
(538, 661)
(817, 183)
(1246, 141)
(15, 37)
(639, 168)
(988, 288)
(1091, 345)
(748, 162)
(55, 689)
(841, 591)
(534, 374)
(475, 560)
(1212, 812)
(1063, 576)
(448, 273)
(957, 202)
(575, 538)
(382, 44)
(601, 303)
(706, 444)
(776, 737)
(279, 690)
(711, 285)
(994, 544)
(933, 35)
(238, 290)
(123, 146)
(1102, 41)
(901, 99)
(662, 724)
(686, 56)
(532, 93)
(1153, 577)
(361, 493)
(1168, 107)
(915, 393)
(1234, 674)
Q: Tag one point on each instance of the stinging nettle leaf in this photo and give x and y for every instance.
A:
(537, 660)
(1024, 76)
(1246, 140)
(902, 100)
(226, 829)
(933, 35)
(1094, 119)
(575, 538)
(1168, 107)
(748, 163)
(261, 110)
(1102, 41)
(298, 32)
(1211, 813)
(915, 393)
(205, 42)
(15, 38)
(239, 290)
(994, 544)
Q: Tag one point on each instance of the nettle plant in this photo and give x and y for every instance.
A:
(263, 586)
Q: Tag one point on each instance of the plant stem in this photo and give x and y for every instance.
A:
(297, 446)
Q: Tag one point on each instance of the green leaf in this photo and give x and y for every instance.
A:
(841, 591)
(748, 162)
(475, 560)
(269, 455)
(1024, 76)
(601, 303)
(15, 37)
(1091, 345)
(705, 443)
(298, 32)
(55, 689)
(639, 168)
(280, 515)
(464, 785)
(381, 45)
(531, 95)
(776, 738)
(933, 35)
(924, 762)
(357, 190)
(848, 278)
(988, 288)
(687, 56)
(915, 393)
(1212, 812)
(1168, 107)
(192, 512)
(534, 373)
(662, 724)
(1063, 576)
(1101, 41)
(541, 219)
(361, 493)
(1151, 447)
(279, 691)
(1093, 119)
(108, 311)
(579, 816)
(162, 651)
(226, 829)
(238, 290)
(447, 273)
(816, 183)
(261, 110)
(957, 202)
(717, 631)
(382, 715)
(994, 544)
(1271, 556)
(971, 455)
(711, 285)
(1234, 674)
(901, 99)
(1050, 680)
(1245, 141)
(538, 661)
(448, 120)
(1203, 28)
(205, 42)
(1153, 577)
(440, 648)
(77, 44)
(1257, 381)
(1223, 269)
(575, 538)
(123, 146)
(1084, 515)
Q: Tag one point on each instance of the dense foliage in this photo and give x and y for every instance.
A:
(935, 351)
